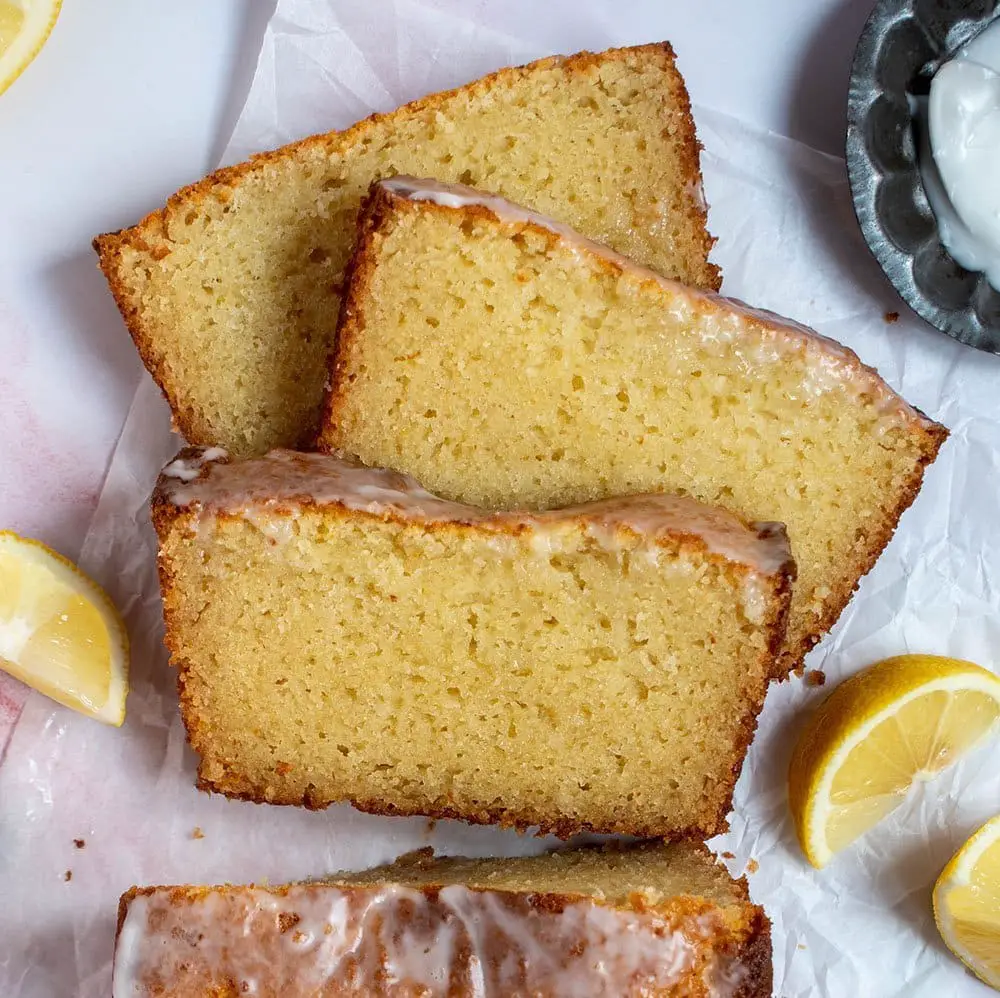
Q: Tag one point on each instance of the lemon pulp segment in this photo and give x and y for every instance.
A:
(902, 720)
(967, 903)
(25, 26)
(59, 632)
(11, 22)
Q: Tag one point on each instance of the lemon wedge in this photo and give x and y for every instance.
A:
(902, 720)
(967, 904)
(24, 27)
(59, 632)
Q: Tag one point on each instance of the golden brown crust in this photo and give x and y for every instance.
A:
(755, 957)
(109, 252)
(124, 901)
(692, 164)
(561, 828)
(770, 668)
(150, 234)
(780, 623)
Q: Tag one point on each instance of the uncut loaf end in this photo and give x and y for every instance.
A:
(654, 921)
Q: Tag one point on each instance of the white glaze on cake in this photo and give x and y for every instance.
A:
(188, 468)
(398, 942)
(287, 480)
(755, 337)
(696, 192)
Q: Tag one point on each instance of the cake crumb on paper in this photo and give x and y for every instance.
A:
(817, 677)
(68, 876)
(729, 855)
(891, 317)
(79, 843)
(752, 866)
(197, 833)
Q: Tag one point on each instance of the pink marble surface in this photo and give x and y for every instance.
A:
(53, 476)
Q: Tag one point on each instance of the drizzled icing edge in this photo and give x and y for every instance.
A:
(834, 363)
(207, 481)
(454, 940)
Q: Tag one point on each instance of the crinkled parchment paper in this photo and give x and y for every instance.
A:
(788, 242)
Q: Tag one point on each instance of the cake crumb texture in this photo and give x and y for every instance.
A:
(231, 291)
(506, 363)
(355, 639)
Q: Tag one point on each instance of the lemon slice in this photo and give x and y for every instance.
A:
(967, 904)
(24, 27)
(59, 632)
(902, 720)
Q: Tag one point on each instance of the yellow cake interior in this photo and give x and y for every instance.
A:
(231, 292)
(327, 655)
(505, 367)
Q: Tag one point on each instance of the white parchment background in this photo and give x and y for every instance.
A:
(787, 241)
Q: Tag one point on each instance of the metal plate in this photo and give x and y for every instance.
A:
(900, 49)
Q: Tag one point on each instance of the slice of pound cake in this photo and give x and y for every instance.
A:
(231, 291)
(506, 361)
(342, 634)
(647, 922)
